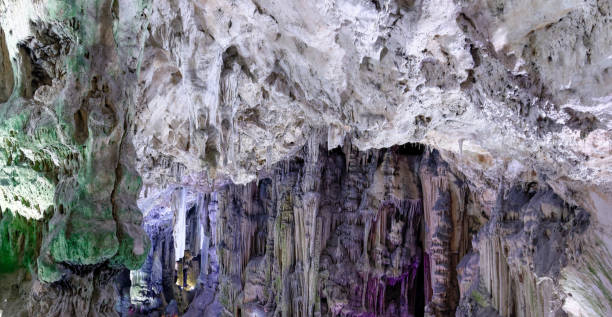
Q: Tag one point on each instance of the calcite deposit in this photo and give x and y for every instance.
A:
(306, 158)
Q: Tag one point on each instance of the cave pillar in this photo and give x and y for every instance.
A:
(437, 237)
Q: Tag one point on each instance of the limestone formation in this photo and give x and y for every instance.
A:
(306, 158)
(392, 232)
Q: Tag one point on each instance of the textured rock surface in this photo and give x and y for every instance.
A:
(67, 155)
(245, 82)
(395, 232)
(503, 207)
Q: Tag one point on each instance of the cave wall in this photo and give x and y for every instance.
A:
(69, 187)
(98, 98)
(389, 232)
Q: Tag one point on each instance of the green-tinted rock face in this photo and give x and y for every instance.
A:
(19, 241)
(131, 253)
(87, 243)
(62, 133)
(27, 161)
(48, 271)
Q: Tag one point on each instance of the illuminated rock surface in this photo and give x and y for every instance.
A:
(302, 158)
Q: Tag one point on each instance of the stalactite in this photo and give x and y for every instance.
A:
(179, 223)
(339, 223)
(203, 215)
(247, 230)
(428, 289)
(520, 253)
(445, 232)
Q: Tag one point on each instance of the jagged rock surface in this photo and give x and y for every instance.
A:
(392, 232)
(67, 156)
(100, 97)
(246, 82)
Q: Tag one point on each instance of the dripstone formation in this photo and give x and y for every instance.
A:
(390, 232)
(306, 158)
(338, 233)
